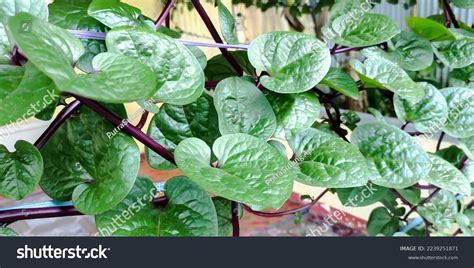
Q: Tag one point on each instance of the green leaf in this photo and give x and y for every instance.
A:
(189, 212)
(441, 209)
(242, 108)
(361, 196)
(218, 68)
(412, 195)
(455, 54)
(462, 77)
(327, 161)
(4, 231)
(397, 160)
(173, 123)
(246, 170)
(224, 215)
(296, 62)
(73, 15)
(381, 222)
(279, 146)
(199, 55)
(367, 30)
(90, 163)
(343, 7)
(34, 93)
(227, 23)
(179, 77)
(114, 13)
(386, 74)
(21, 170)
(460, 123)
(452, 154)
(342, 82)
(50, 48)
(294, 112)
(10, 78)
(428, 115)
(429, 29)
(463, 3)
(37, 8)
(9, 8)
(465, 224)
(408, 50)
(117, 79)
(444, 175)
(467, 145)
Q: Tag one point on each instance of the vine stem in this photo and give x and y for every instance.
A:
(440, 141)
(449, 10)
(285, 212)
(57, 122)
(128, 128)
(143, 120)
(14, 215)
(413, 208)
(215, 35)
(165, 13)
(235, 219)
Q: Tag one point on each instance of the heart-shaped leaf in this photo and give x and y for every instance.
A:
(444, 175)
(441, 210)
(410, 51)
(117, 79)
(396, 160)
(179, 76)
(324, 160)
(21, 170)
(460, 123)
(342, 82)
(387, 74)
(429, 29)
(34, 93)
(218, 68)
(91, 163)
(72, 15)
(428, 115)
(462, 77)
(367, 30)
(455, 54)
(382, 222)
(227, 23)
(246, 172)
(114, 13)
(294, 112)
(189, 212)
(174, 123)
(51, 49)
(296, 62)
(242, 108)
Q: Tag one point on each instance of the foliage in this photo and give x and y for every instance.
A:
(224, 121)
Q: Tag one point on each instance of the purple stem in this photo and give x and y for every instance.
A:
(14, 215)
(202, 12)
(101, 36)
(165, 13)
(413, 208)
(286, 212)
(128, 128)
(235, 219)
(452, 17)
(57, 122)
(143, 120)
